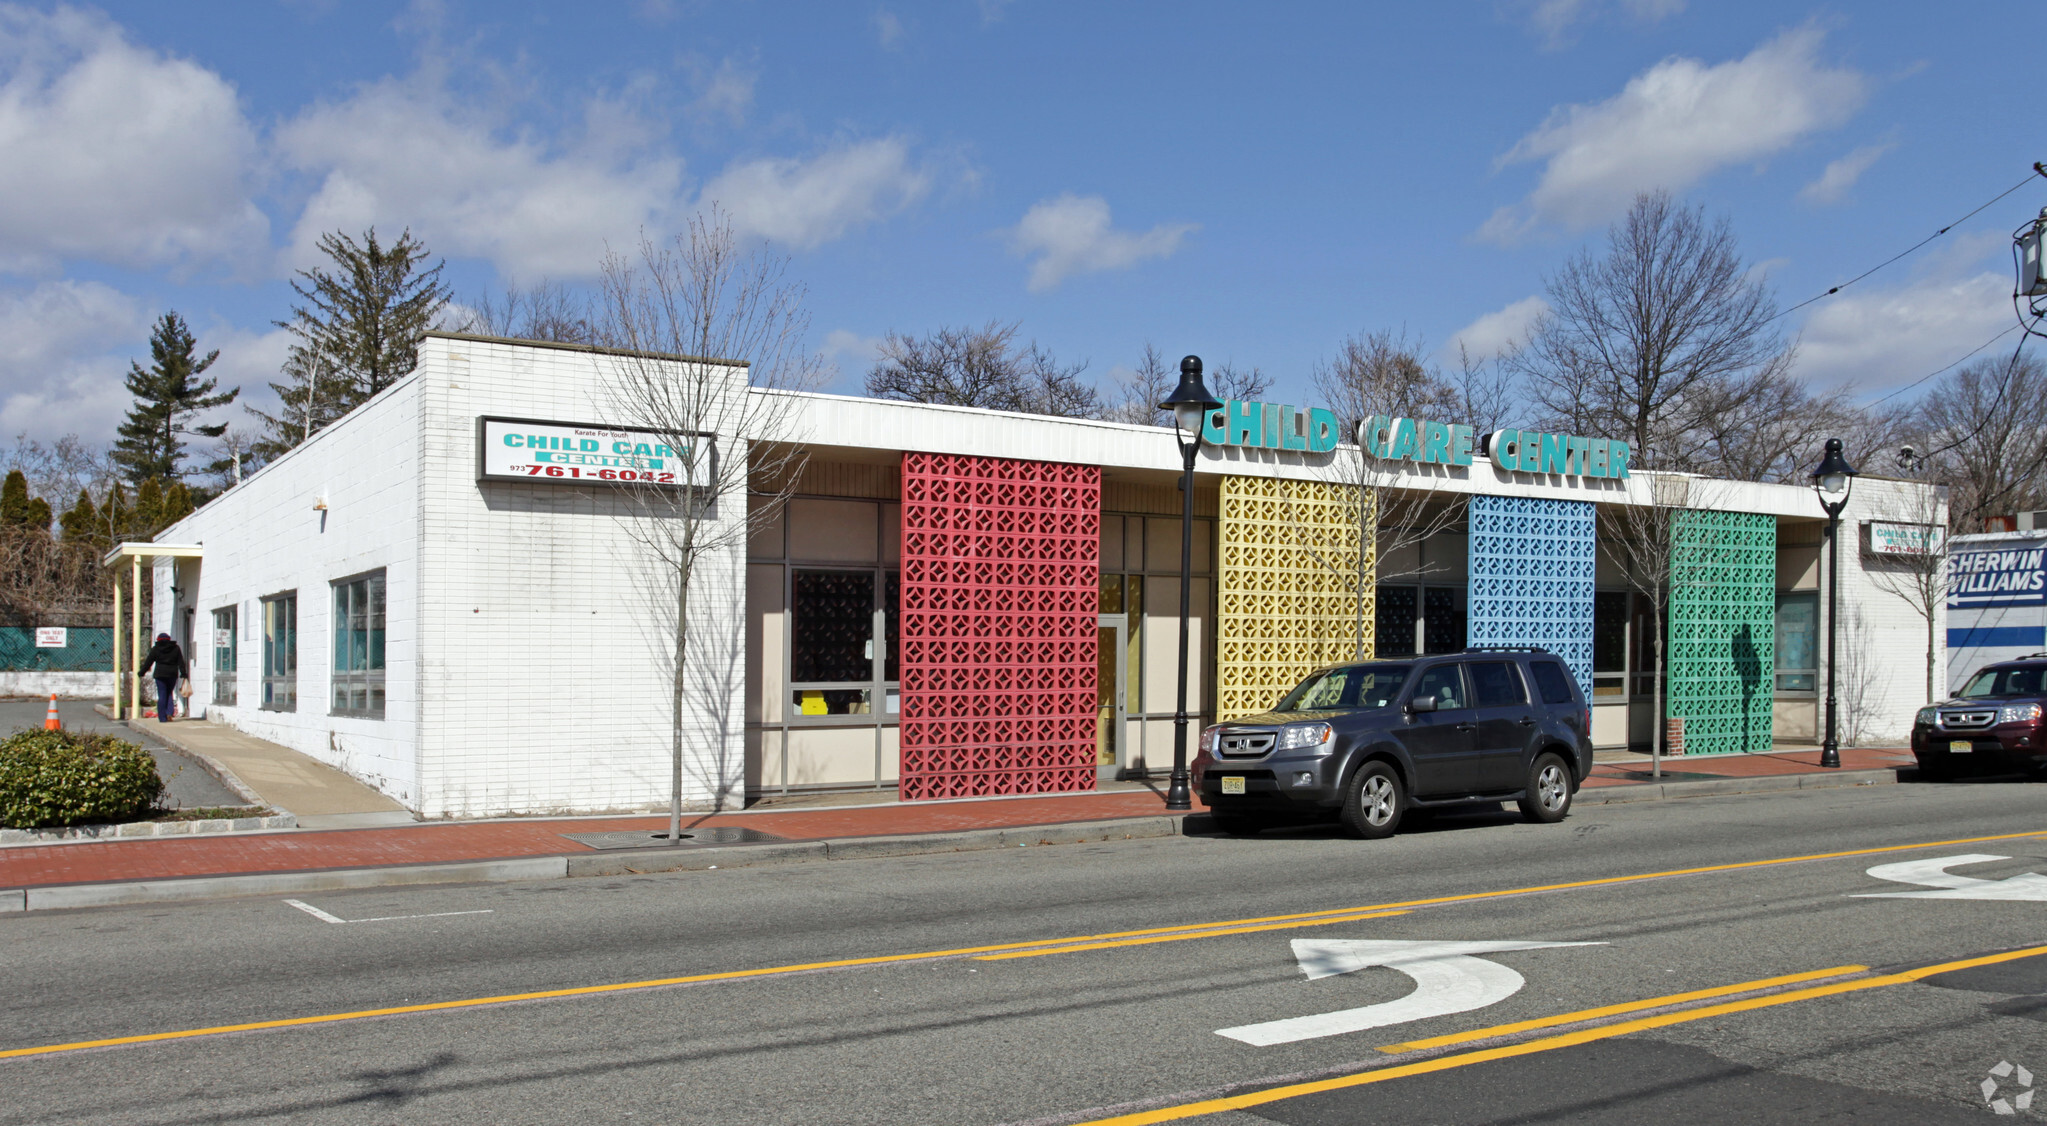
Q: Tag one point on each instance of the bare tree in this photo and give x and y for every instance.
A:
(1384, 373)
(1651, 544)
(1982, 431)
(981, 367)
(545, 311)
(672, 312)
(1653, 338)
(1141, 391)
(1486, 391)
(1918, 575)
(1229, 381)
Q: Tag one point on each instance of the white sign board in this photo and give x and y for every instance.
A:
(223, 638)
(571, 453)
(1903, 539)
(53, 637)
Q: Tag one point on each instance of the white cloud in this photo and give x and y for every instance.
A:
(888, 28)
(114, 152)
(849, 352)
(725, 92)
(1498, 332)
(65, 347)
(251, 361)
(1072, 235)
(1840, 175)
(403, 153)
(1673, 125)
(1878, 340)
(806, 203)
(1552, 19)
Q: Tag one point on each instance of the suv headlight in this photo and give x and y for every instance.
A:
(1299, 736)
(2018, 713)
(1208, 735)
(1927, 717)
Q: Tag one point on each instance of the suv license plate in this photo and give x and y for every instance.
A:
(1960, 747)
(1233, 785)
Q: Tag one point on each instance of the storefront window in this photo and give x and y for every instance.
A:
(1610, 643)
(358, 676)
(1798, 621)
(835, 657)
(281, 652)
(1443, 620)
(1393, 633)
(224, 653)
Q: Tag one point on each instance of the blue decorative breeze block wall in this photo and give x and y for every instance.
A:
(1532, 564)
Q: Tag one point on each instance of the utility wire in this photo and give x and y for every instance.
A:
(2038, 170)
(2009, 329)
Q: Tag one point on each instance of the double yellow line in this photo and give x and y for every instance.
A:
(1569, 1039)
(1039, 948)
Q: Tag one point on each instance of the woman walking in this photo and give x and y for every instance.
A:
(169, 661)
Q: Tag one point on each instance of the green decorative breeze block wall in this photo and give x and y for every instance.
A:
(1723, 601)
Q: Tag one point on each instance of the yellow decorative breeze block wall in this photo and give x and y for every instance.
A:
(1289, 597)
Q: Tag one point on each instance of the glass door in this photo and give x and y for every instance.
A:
(1111, 705)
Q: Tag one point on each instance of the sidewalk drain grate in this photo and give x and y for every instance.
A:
(698, 837)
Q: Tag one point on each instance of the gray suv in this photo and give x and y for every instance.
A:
(1369, 741)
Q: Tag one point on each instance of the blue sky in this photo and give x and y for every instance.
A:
(1251, 183)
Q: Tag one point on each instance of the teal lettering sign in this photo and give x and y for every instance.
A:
(1273, 426)
(1426, 442)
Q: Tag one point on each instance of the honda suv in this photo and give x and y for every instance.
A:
(1369, 741)
(1998, 719)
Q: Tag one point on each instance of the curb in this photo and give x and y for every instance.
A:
(618, 863)
(134, 830)
(629, 862)
(1760, 784)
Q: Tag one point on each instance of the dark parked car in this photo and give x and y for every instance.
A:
(1369, 741)
(1998, 721)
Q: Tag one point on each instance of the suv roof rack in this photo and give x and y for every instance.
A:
(1518, 649)
(2027, 657)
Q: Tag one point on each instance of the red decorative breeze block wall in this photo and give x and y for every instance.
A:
(998, 647)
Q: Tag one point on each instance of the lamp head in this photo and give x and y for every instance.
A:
(1833, 476)
(1190, 402)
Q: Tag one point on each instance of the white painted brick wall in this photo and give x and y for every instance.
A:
(544, 673)
(1883, 641)
(264, 537)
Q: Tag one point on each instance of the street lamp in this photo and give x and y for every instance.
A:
(1190, 404)
(1833, 479)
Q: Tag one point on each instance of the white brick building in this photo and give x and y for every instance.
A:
(520, 664)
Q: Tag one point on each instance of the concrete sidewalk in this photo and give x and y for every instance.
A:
(83, 874)
(265, 773)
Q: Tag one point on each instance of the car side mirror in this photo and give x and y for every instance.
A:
(1422, 704)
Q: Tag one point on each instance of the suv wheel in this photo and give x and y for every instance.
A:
(1373, 802)
(1548, 795)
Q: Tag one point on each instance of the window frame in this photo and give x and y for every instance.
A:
(1777, 673)
(367, 682)
(280, 677)
(227, 658)
(884, 695)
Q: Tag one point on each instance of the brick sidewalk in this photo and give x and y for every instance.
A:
(314, 850)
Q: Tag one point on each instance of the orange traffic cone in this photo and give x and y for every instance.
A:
(50, 720)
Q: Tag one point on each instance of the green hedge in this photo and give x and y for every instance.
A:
(55, 778)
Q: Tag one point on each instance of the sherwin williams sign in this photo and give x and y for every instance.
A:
(1273, 426)
(2006, 577)
(566, 453)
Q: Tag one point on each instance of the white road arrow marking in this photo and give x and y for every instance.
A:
(2026, 887)
(1447, 980)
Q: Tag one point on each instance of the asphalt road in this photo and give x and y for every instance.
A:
(810, 993)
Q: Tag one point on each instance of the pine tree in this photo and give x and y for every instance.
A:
(18, 509)
(167, 394)
(358, 329)
(82, 525)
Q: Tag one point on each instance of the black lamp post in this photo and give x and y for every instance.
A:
(1833, 480)
(1190, 404)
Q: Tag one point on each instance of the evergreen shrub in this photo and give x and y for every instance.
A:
(50, 779)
